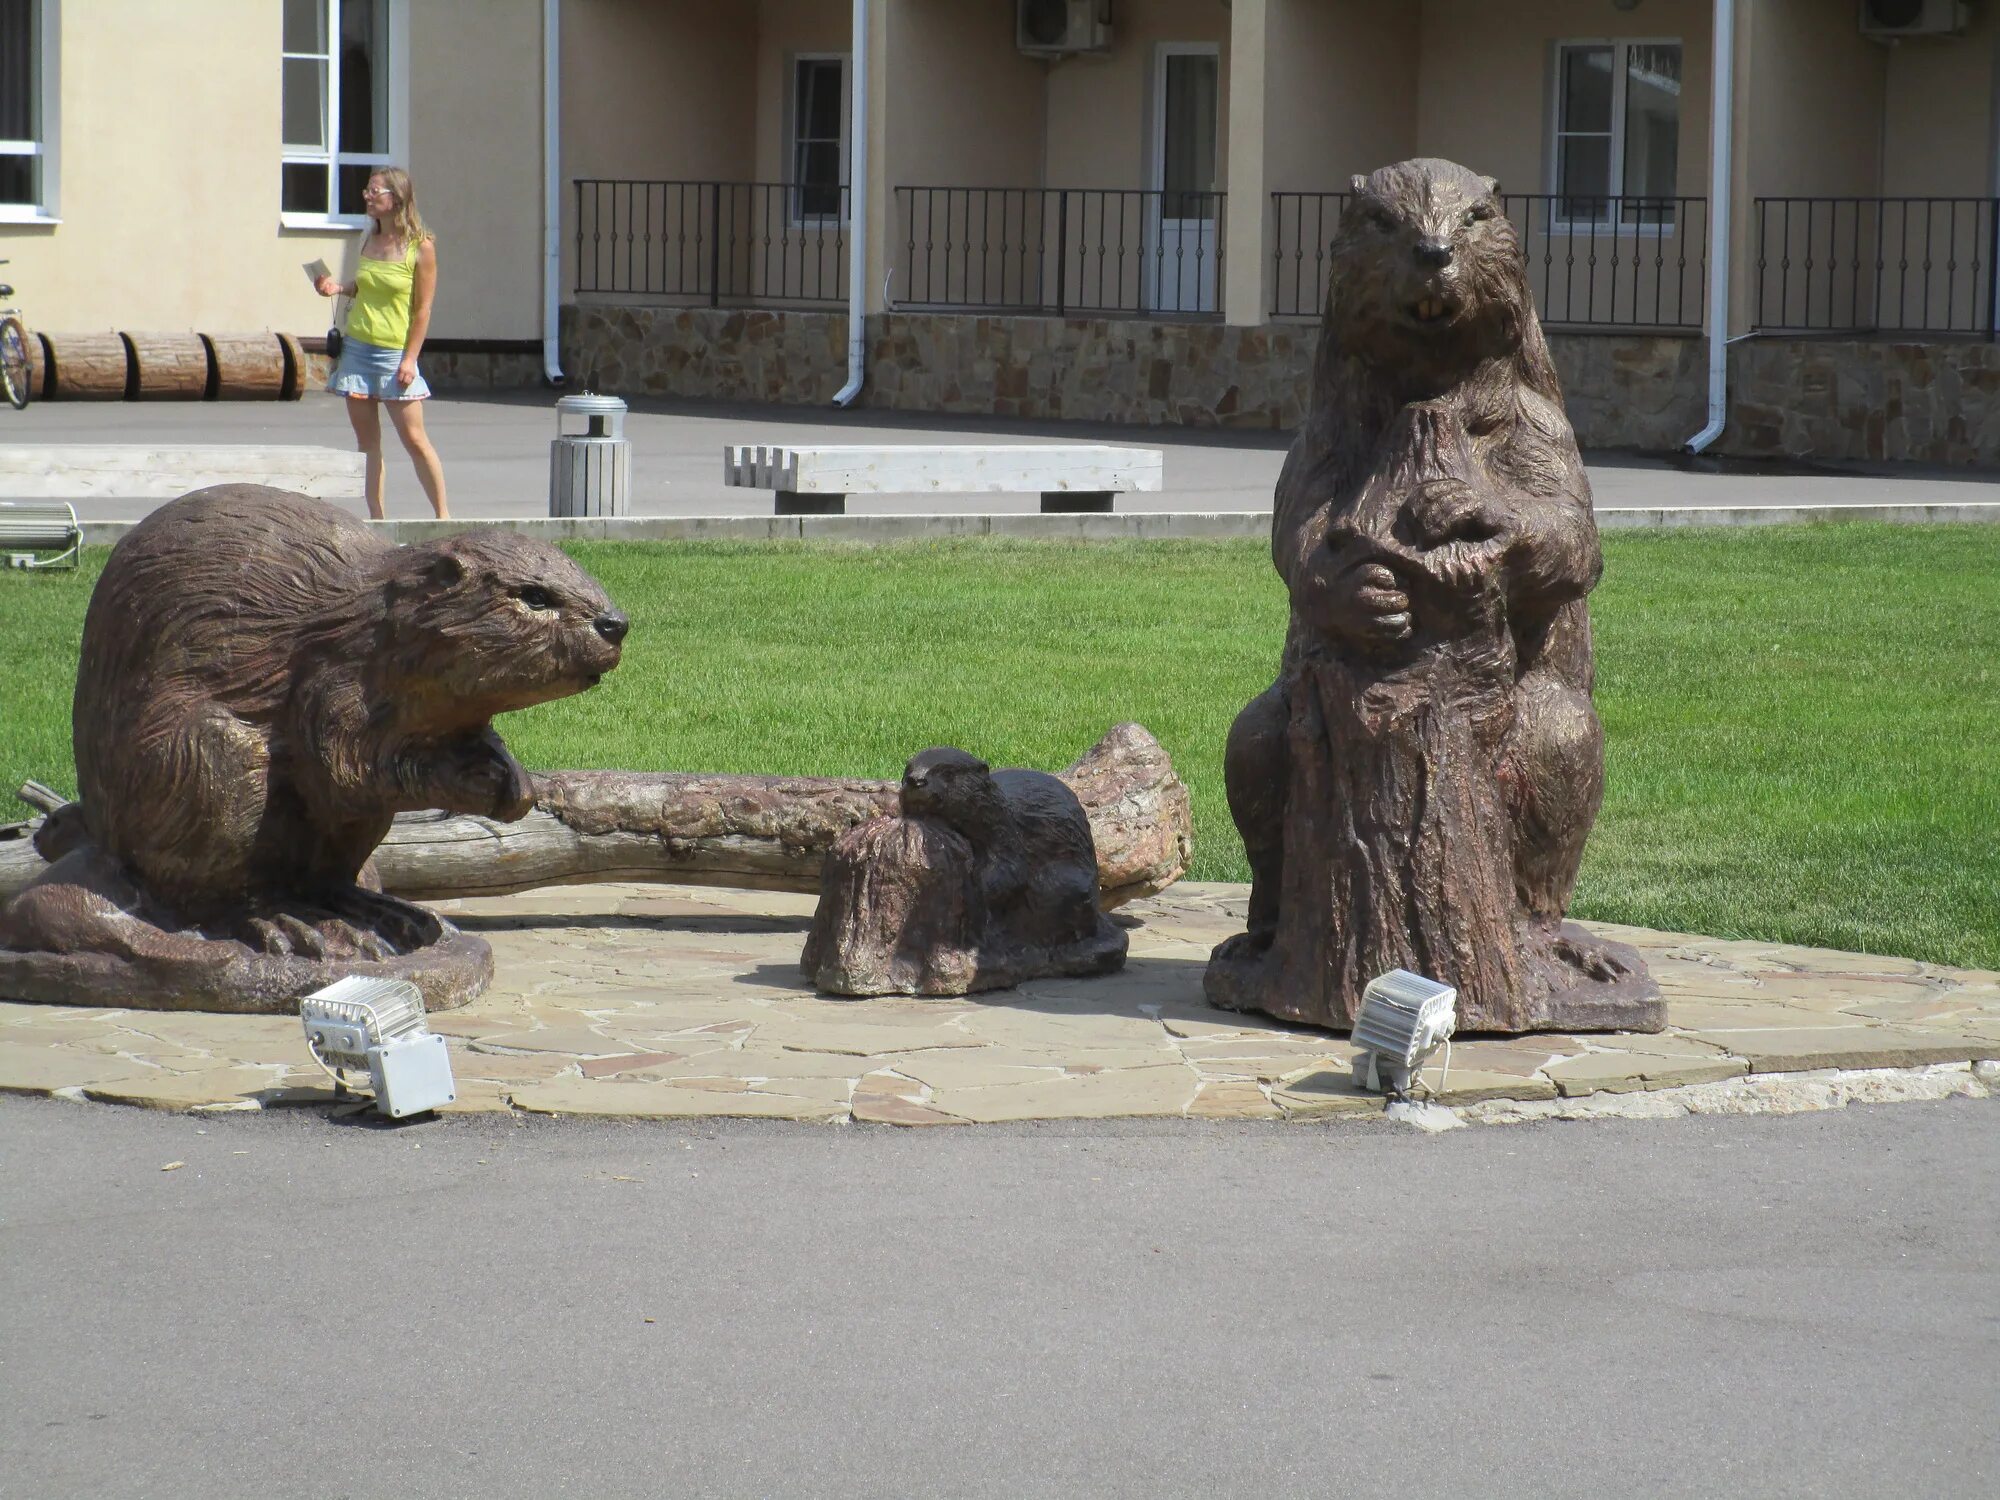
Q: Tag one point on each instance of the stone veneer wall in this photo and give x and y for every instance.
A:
(1797, 398)
(1840, 399)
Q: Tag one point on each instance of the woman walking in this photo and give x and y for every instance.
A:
(386, 324)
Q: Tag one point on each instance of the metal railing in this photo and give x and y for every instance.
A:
(1593, 262)
(712, 242)
(1877, 265)
(1061, 250)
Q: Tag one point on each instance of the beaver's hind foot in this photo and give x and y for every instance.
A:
(351, 923)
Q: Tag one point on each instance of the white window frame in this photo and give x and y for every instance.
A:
(1620, 65)
(795, 215)
(47, 144)
(333, 158)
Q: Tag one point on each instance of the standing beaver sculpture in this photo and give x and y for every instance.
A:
(987, 878)
(264, 684)
(1415, 789)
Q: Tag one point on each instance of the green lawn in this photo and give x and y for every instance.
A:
(1800, 721)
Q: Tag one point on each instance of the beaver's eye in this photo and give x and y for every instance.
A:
(1477, 214)
(1380, 218)
(536, 597)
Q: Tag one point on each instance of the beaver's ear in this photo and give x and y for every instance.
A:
(1492, 185)
(445, 569)
(1357, 183)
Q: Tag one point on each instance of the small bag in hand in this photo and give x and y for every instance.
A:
(335, 339)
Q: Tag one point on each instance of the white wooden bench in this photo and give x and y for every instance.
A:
(162, 471)
(28, 529)
(1071, 478)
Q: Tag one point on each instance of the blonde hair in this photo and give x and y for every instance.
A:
(406, 225)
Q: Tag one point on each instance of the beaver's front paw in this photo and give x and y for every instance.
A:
(478, 775)
(1441, 511)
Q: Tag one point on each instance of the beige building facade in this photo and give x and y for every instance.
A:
(177, 142)
(1170, 162)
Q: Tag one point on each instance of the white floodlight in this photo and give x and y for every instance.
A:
(1404, 1017)
(378, 1025)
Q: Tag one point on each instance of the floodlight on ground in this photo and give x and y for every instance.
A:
(1404, 1017)
(377, 1026)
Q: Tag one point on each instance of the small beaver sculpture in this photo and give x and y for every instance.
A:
(264, 684)
(986, 879)
(1415, 789)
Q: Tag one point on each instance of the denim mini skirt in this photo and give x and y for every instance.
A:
(370, 370)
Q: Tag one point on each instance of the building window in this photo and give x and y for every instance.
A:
(819, 107)
(27, 113)
(1616, 151)
(336, 109)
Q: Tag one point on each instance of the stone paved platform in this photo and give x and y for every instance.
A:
(674, 1002)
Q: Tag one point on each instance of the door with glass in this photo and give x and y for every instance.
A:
(1181, 268)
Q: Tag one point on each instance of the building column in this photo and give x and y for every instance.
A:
(1245, 298)
(1743, 174)
(875, 132)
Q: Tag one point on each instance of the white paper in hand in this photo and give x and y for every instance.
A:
(315, 269)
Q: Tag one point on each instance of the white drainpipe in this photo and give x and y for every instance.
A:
(1721, 117)
(857, 214)
(552, 191)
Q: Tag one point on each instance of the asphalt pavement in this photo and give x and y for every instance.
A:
(286, 1303)
(496, 456)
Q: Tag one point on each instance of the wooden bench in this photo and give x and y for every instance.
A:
(1071, 478)
(162, 471)
(28, 529)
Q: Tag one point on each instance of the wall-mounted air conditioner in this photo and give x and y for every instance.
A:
(1049, 28)
(1894, 18)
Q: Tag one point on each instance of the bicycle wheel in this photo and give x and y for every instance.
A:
(14, 362)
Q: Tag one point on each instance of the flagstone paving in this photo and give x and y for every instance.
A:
(635, 1000)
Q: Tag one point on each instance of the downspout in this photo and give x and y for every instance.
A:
(552, 191)
(1721, 126)
(857, 214)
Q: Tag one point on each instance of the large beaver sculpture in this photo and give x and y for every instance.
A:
(1415, 789)
(264, 684)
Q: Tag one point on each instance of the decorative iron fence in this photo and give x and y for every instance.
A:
(712, 242)
(1593, 262)
(1061, 250)
(1877, 265)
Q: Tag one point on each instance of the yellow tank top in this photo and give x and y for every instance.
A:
(381, 311)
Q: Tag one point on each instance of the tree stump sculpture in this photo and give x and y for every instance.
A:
(265, 683)
(1416, 788)
(984, 878)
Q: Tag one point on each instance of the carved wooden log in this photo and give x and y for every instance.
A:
(297, 371)
(88, 366)
(750, 832)
(248, 366)
(169, 366)
(38, 366)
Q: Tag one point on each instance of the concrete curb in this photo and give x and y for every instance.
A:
(1126, 526)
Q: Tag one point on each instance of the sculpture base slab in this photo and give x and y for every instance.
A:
(87, 934)
(236, 979)
(941, 973)
(1580, 982)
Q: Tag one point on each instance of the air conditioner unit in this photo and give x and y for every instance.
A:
(1894, 18)
(1049, 28)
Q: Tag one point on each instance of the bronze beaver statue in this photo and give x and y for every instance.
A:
(1415, 789)
(264, 684)
(987, 878)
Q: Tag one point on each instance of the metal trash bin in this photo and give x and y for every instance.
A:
(590, 472)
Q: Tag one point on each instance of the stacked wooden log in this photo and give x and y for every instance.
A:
(171, 367)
